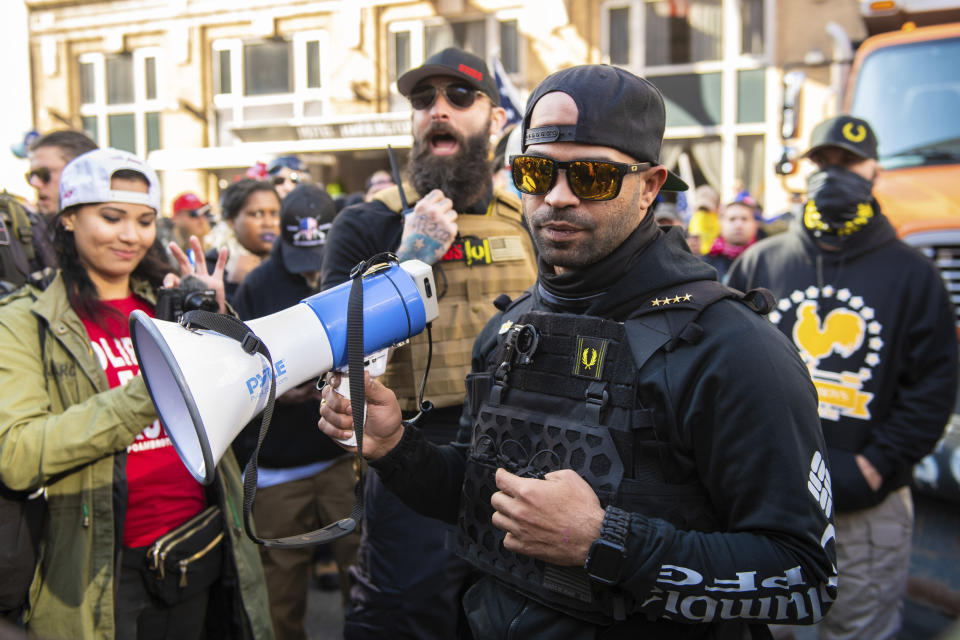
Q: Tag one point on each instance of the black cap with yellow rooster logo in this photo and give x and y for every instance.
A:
(853, 134)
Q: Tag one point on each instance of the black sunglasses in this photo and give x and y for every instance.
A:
(40, 173)
(588, 179)
(294, 177)
(460, 96)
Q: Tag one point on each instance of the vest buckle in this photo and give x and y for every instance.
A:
(597, 398)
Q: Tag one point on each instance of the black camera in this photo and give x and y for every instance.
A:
(191, 295)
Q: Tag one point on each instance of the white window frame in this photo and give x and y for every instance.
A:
(732, 61)
(506, 15)
(298, 97)
(139, 107)
(636, 52)
(415, 28)
(301, 91)
(416, 54)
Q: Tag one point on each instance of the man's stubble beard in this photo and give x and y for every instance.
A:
(604, 237)
(463, 177)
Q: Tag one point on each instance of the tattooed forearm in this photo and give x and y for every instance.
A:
(418, 246)
(429, 228)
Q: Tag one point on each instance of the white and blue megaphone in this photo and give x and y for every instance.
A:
(206, 388)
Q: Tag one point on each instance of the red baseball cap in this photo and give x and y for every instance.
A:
(188, 201)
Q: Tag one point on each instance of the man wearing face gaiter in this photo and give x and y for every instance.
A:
(876, 328)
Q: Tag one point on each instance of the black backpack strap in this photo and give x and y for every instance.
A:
(646, 336)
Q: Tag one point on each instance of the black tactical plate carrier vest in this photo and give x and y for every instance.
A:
(561, 393)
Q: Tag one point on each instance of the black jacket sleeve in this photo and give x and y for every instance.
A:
(748, 411)
(244, 300)
(427, 477)
(358, 232)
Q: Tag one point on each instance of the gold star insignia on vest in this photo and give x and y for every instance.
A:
(676, 298)
(655, 302)
(687, 297)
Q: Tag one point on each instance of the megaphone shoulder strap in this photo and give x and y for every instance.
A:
(251, 344)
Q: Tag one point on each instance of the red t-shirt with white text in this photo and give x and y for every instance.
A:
(161, 493)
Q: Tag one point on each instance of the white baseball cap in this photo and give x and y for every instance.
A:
(86, 179)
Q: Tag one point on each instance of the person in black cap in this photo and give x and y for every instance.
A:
(639, 453)
(304, 480)
(408, 584)
(874, 324)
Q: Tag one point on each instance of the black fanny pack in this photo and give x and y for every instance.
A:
(184, 561)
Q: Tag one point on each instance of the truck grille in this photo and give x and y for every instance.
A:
(947, 259)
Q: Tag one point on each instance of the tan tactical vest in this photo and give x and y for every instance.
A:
(493, 254)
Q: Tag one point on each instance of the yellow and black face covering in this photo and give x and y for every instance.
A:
(839, 201)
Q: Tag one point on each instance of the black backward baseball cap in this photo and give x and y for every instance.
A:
(615, 109)
(455, 63)
(847, 132)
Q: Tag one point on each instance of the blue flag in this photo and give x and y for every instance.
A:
(509, 98)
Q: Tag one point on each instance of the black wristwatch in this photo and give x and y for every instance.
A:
(606, 555)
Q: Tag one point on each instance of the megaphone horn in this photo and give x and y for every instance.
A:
(205, 388)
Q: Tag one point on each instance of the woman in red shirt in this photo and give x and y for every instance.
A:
(94, 579)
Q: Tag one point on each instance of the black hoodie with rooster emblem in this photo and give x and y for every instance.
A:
(877, 330)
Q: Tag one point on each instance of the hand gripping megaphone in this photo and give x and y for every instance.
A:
(206, 389)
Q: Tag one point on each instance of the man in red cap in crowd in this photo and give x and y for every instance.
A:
(191, 217)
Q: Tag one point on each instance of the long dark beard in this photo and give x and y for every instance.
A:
(463, 177)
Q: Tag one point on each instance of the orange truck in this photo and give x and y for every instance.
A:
(905, 81)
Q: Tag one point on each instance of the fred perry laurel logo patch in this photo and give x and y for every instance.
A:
(590, 356)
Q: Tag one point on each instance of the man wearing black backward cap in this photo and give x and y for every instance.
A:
(639, 453)
(874, 324)
(304, 480)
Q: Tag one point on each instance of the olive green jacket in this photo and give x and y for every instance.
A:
(62, 427)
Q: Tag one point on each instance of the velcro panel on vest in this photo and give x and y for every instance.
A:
(574, 353)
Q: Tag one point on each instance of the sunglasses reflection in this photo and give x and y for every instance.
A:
(587, 179)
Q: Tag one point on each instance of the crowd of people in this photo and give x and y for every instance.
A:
(621, 434)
